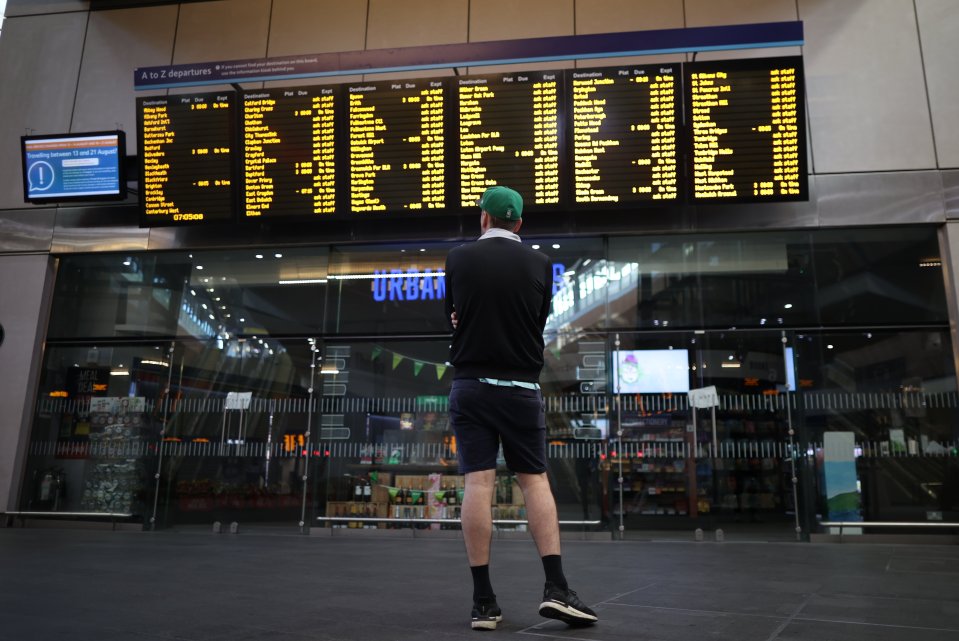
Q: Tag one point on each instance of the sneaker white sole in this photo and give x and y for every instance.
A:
(565, 613)
(486, 624)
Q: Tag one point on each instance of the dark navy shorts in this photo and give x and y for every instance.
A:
(484, 415)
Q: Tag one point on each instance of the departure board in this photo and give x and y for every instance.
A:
(186, 174)
(509, 134)
(397, 146)
(624, 124)
(747, 130)
(289, 152)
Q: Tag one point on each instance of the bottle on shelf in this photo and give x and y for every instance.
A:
(367, 491)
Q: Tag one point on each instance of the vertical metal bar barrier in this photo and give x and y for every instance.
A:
(166, 409)
(309, 430)
(792, 448)
(619, 451)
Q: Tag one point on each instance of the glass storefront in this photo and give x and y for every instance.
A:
(306, 387)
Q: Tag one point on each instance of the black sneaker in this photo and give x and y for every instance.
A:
(486, 614)
(565, 605)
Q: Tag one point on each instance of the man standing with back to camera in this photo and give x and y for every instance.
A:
(498, 294)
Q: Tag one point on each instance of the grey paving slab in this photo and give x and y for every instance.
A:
(188, 586)
(817, 631)
(723, 597)
(904, 612)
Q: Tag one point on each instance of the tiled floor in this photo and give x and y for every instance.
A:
(107, 586)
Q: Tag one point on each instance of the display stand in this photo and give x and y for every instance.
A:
(235, 401)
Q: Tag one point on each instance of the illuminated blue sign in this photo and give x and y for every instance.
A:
(413, 284)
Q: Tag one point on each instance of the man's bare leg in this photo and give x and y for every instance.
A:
(477, 523)
(541, 512)
(477, 519)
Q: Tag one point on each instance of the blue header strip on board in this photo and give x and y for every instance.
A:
(603, 45)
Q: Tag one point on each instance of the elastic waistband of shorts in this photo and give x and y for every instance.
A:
(501, 383)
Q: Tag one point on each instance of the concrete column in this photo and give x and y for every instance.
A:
(26, 283)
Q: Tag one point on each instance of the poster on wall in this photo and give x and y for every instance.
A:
(843, 501)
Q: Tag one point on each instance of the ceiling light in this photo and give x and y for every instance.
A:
(259, 255)
(830, 346)
(242, 320)
(422, 250)
(278, 255)
(535, 246)
(211, 317)
(193, 291)
(555, 245)
(199, 266)
(127, 262)
(729, 365)
(788, 306)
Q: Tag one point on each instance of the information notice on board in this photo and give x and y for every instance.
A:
(747, 130)
(186, 172)
(509, 134)
(397, 146)
(289, 152)
(724, 131)
(624, 125)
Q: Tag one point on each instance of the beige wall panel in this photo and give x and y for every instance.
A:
(411, 23)
(39, 63)
(317, 26)
(117, 43)
(710, 13)
(610, 16)
(938, 29)
(33, 7)
(222, 30)
(864, 86)
(24, 279)
(511, 19)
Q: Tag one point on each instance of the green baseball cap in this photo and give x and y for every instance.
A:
(502, 202)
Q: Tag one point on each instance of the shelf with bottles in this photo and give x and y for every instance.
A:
(402, 497)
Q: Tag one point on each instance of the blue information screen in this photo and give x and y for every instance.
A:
(76, 166)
